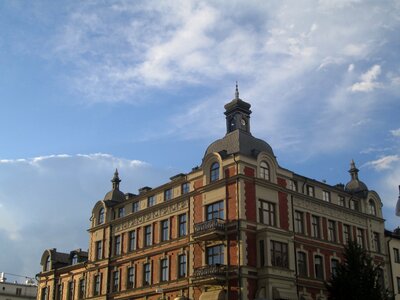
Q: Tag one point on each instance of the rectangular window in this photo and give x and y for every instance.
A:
(70, 290)
(292, 185)
(279, 254)
(267, 213)
(131, 278)
(377, 242)
(99, 250)
(360, 237)
(167, 194)
(215, 210)
(262, 253)
(396, 255)
(147, 236)
(44, 294)
(319, 268)
(215, 255)
(117, 245)
(151, 201)
(342, 201)
(135, 206)
(331, 231)
(346, 233)
(316, 230)
(18, 291)
(97, 285)
(354, 204)
(81, 288)
(334, 266)
(121, 212)
(310, 190)
(398, 285)
(132, 240)
(182, 267)
(115, 282)
(59, 294)
(146, 274)
(302, 264)
(185, 188)
(164, 269)
(182, 225)
(164, 230)
(326, 196)
(299, 222)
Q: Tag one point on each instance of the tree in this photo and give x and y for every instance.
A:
(357, 277)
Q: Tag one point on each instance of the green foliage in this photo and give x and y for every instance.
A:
(357, 277)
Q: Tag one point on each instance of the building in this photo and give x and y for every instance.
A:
(17, 291)
(240, 226)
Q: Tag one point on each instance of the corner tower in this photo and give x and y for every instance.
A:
(237, 114)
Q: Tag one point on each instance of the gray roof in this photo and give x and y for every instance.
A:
(241, 142)
(115, 195)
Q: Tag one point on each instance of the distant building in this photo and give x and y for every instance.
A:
(17, 291)
(240, 226)
(393, 245)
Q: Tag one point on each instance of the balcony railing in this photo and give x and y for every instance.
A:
(211, 227)
(210, 273)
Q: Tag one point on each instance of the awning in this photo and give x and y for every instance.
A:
(284, 294)
(213, 295)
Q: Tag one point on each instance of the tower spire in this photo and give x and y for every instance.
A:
(237, 91)
(115, 181)
(353, 170)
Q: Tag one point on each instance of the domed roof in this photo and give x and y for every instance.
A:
(356, 186)
(115, 194)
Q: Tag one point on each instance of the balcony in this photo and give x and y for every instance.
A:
(214, 274)
(209, 230)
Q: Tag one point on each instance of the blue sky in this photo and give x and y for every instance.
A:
(88, 86)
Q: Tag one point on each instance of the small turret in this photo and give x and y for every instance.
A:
(355, 186)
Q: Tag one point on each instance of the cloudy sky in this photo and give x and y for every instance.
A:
(90, 86)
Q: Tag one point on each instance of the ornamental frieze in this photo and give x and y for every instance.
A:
(151, 215)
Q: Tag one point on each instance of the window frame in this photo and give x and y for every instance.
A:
(101, 216)
(346, 234)
(299, 222)
(332, 232)
(135, 207)
(279, 254)
(168, 194)
(97, 285)
(310, 190)
(185, 188)
(117, 245)
(81, 288)
(360, 237)
(151, 201)
(164, 269)
(164, 230)
(115, 282)
(326, 196)
(182, 265)
(316, 226)
(146, 273)
(376, 241)
(214, 171)
(267, 210)
(215, 255)
(334, 266)
(372, 207)
(130, 277)
(319, 267)
(264, 172)
(182, 225)
(148, 235)
(302, 264)
(215, 210)
(132, 240)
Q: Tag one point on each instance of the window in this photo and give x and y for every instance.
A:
(215, 255)
(267, 213)
(97, 285)
(377, 242)
(117, 245)
(182, 266)
(185, 188)
(279, 254)
(101, 216)
(47, 264)
(264, 170)
(115, 282)
(331, 231)
(182, 225)
(151, 201)
(99, 250)
(334, 266)
(131, 278)
(214, 172)
(316, 232)
(292, 185)
(342, 201)
(135, 206)
(372, 207)
(147, 236)
(164, 230)
(302, 264)
(299, 222)
(346, 233)
(164, 269)
(146, 274)
(215, 210)
(398, 284)
(132, 240)
(262, 253)
(319, 268)
(18, 291)
(310, 190)
(81, 288)
(381, 278)
(326, 196)
(167, 194)
(74, 260)
(44, 293)
(360, 237)
(70, 290)
(396, 255)
(354, 204)
(121, 212)
(59, 292)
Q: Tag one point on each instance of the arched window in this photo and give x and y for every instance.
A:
(372, 207)
(101, 216)
(264, 170)
(74, 259)
(214, 172)
(47, 264)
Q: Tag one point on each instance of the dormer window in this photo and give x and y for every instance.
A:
(74, 260)
(101, 216)
(47, 264)
(264, 170)
(214, 172)
(372, 207)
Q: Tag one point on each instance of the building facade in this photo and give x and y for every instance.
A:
(17, 291)
(239, 226)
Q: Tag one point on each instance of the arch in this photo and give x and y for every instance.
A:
(266, 163)
(45, 261)
(211, 162)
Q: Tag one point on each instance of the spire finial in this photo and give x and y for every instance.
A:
(353, 170)
(237, 91)
(115, 181)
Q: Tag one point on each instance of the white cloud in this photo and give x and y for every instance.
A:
(384, 163)
(395, 132)
(368, 82)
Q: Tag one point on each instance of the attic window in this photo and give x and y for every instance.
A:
(214, 172)
(47, 264)
(101, 216)
(372, 207)
(74, 259)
